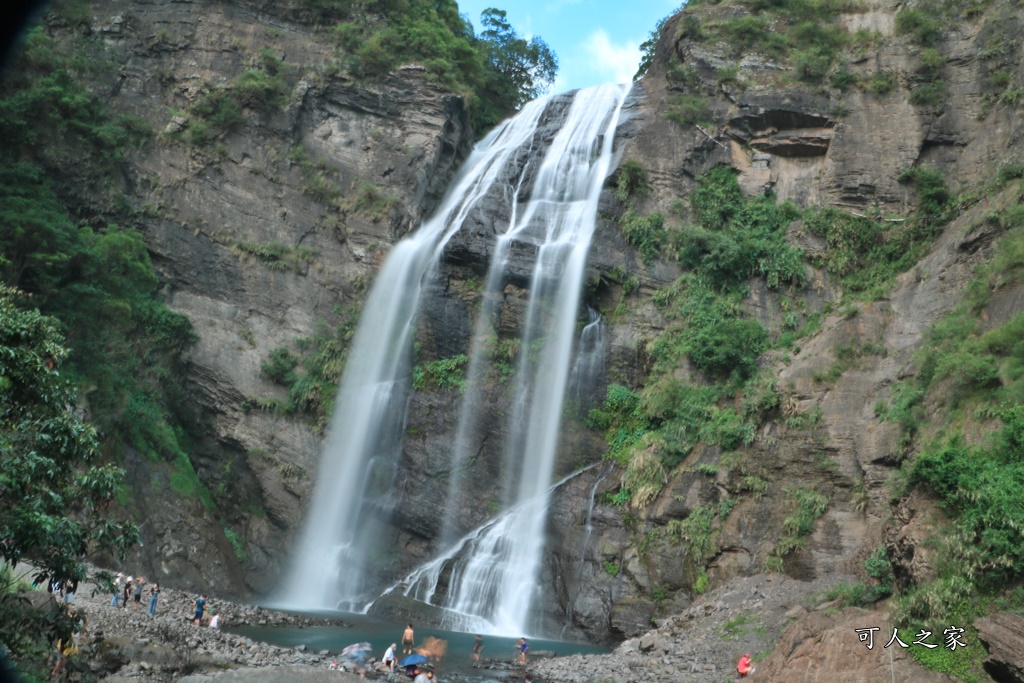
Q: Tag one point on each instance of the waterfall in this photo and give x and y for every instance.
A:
(495, 587)
(363, 443)
(492, 586)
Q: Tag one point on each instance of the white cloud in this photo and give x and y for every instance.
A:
(614, 62)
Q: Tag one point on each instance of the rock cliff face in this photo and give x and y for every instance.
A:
(391, 147)
(811, 145)
(254, 251)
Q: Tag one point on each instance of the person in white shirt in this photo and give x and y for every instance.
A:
(389, 658)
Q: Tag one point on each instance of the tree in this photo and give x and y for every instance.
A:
(648, 48)
(525, 68)
(55, 495)
(38, 238)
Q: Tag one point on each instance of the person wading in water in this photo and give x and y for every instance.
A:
(407, 638)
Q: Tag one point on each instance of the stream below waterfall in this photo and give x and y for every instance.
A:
(382, 632)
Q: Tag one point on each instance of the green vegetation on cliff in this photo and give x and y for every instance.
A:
(441, 374)
(806, 34)
(968, 382)
(809, 41)
(312, 376)
(651, 432)
(958, 408)
(496, 69)
(710, 388)
(71, 242)
(95, 278)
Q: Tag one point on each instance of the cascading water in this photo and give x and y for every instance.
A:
(364, 438)
(494, 577)
(493, 584)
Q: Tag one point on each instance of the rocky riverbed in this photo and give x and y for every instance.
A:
(700, 644)
(128, 644)
(704, 642)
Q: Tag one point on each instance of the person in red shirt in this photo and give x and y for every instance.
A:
(744, 667)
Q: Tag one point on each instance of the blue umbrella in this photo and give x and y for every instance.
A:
(413, 660)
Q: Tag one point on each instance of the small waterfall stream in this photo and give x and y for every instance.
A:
(585, 543)
(468, 571)
(494, 569)
(589, 364)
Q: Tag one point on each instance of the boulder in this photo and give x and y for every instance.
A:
(821, 646)
(631, 616)
(653, 642)
(1003, 636)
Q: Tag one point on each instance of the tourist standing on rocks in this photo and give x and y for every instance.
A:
(407, 639)
(140, 583)
(358, 655)
(118, 586)
(478, 647)
(523, 647)
(154, 593)
(200, 605)
(67, 644)
(127, 590)
(215, 620)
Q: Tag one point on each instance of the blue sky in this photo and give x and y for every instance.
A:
(597, 41)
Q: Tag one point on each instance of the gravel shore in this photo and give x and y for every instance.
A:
(128, 644)
(700, 644)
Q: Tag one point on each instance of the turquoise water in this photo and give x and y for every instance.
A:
(382, 632)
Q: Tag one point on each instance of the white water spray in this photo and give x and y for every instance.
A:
(364, 439)
(493, 586)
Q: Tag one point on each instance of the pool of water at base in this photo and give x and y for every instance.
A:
(380, 633)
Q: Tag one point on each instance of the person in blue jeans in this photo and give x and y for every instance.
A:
(118, 585)
(200, 606)
(154, 592)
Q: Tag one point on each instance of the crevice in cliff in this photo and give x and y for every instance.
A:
(784, 133)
